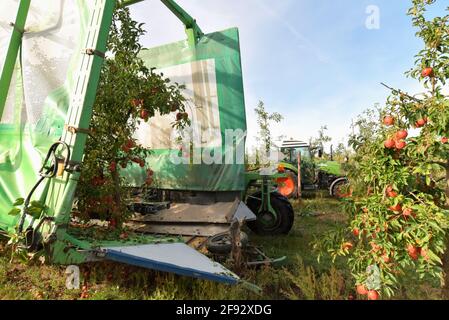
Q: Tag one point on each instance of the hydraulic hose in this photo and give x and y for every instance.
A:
(45, 173)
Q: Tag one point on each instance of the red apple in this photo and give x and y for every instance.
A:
(130, 143)
(413, 251)
(396, 208)
(373, 295)
(389, 144)
(427, 72)
(407, 212)
(113, 166)
(361, 289)
(136, 160)
(402, 134)
(125, 148)
(444, 140)
(424, 253)
(421, 122)
(144, 114)
(136, 102)
(392, 194)
(389, 121)
(400, 144)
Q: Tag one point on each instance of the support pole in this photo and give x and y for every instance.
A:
(299, 195)
(13, 51)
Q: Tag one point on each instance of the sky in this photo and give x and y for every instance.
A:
(313, 61)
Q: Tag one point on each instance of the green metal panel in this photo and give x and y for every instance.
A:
(220, 51)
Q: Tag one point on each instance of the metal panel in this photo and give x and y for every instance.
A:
(178, 258)
(220, 212)
(193, 220)
(204, 230)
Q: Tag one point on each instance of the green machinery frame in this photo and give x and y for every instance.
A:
(194, 34)
(13, 51)
(63, 246)
(193, 31)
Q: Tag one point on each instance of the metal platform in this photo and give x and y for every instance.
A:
(192, 219)
(177, 258)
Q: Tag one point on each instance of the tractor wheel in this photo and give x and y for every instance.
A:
(288, 186)
(222, 244)
(340, 188)
(266, 223)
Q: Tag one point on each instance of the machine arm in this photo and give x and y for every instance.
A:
(193, 31)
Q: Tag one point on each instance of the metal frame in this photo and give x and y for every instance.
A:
(266, 188)
(193, 31)
(79, 115)
(18, 28)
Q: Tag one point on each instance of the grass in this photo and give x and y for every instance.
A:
(301, 276)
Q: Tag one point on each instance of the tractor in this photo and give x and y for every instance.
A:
(49, 78)
(304, 172)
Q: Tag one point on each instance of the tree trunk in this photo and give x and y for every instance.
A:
(446, 253)
(447, 184)
(117, 190)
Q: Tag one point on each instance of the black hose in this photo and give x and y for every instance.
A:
(44, 173)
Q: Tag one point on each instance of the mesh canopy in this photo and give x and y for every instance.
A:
(45, 77)
(212, 74)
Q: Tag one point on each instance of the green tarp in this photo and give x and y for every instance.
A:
(45, 78)
(212, 74)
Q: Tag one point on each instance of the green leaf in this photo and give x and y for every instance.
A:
(19, 202)
(14, 212)
(37, 204)
(34, 212)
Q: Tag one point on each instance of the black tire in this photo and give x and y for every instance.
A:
(335, 189)
(285, 215)
(221, 243)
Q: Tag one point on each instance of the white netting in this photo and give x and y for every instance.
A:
(201, 92)
(8, 9)
(50, 42)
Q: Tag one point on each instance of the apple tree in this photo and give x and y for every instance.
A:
(399, 211)
(129, 93)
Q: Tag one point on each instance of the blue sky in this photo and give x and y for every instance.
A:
(314, 61)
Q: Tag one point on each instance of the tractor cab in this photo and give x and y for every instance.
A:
(305, 164)
(298, 154)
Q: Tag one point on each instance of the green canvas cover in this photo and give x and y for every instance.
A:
(212, 74)
(46, 75)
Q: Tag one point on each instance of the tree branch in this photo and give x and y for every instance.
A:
(400, 92)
